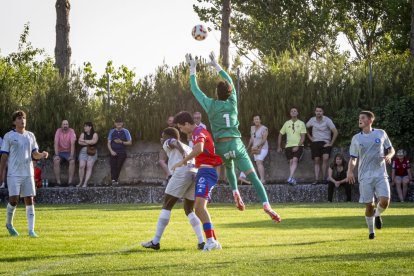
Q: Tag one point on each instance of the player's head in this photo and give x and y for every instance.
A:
(366, 118)
(170, 121)
(294, 112)
(319, 111)
(257, 119)
(184, 122)
(88, 127)
(65, 124)
(19, 119)
(223, 90)
(170, 132)
(197, 117)
(339, 160)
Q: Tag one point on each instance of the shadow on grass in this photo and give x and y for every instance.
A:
(102, 207)
(343, 222)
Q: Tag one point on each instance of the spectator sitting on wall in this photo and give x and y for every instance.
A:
(337, 177)
(401, 174)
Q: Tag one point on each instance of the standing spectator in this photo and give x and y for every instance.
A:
(258, 144)
(322, 141)
(401, 174)
(337, 177)
(65, 139)
(19, 147)
(295, 131)
(88, 153)
(197, 119)
(118, 138)
(163, 158)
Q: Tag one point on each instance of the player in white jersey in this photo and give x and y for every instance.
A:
(180, 185)
(18, 148)
(368, 147)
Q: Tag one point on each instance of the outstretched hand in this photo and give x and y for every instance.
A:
(213, 62)
(192, 63)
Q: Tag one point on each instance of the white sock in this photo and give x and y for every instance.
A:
(379, 210)
(196, 224)
(162, 223)
(211, 239)
(30, 214)
(10, 214)
(370, 223)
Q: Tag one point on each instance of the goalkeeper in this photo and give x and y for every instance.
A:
(222, 114)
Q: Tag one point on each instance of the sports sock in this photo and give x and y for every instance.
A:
(30, 214)
(258, 186)
(370, 223)
(231, 177)
(379, 210)
(10, 214)
(162, 223)
(196, 224)
(209, 231)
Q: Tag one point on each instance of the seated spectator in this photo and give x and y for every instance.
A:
(118, 138)
(64, 145)
(258, 145)
(295, 131)
(88, 153)
(337, 177)
(401, 174)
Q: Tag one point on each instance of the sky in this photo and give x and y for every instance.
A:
(141, 34)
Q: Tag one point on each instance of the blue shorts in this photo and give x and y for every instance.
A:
(64, 156)
(206, 178)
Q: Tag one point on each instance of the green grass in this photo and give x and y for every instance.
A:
(312, 239)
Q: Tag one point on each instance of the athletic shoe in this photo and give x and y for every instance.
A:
(292, 181)
(150, 244)
(200, 246)
(378, 222)
(289, 180)
(33, 234)
(212, 245)
(239, 202)
(12, 230)
(273, 215)
(371, 236)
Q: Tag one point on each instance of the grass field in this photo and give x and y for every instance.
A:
(312, 239)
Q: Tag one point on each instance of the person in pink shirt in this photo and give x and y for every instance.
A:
(65, 139)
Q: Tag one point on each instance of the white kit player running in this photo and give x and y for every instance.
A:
(368, 147)
(18, 148)
(180, 185)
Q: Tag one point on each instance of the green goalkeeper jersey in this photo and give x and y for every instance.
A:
(221, 114)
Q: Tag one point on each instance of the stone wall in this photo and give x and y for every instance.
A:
(279, 193)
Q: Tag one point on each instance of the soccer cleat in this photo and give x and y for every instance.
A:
(200, 246)
(151, 245)
(33, 234)
(12, 231)
(273, 215)
(212, 245)
(239, 202)
(371, 236)
(378, 222)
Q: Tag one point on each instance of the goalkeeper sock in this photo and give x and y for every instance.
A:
(258, 186)
(162, 223)
(231, 177)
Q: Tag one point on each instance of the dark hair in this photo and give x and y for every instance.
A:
(172, 132)
(367, 113)
(224, 90)
(257, 115)
(319, 106)
(18, 113)
(340, 155)
(183, 117)
(90, 124)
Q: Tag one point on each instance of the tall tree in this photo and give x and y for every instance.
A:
(63, 51)
(225, 34)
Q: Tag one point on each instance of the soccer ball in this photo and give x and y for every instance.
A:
(199, 32)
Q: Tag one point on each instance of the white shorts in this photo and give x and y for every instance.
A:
(21, 185)
(262, 155)
(181, 184)
(378, 186)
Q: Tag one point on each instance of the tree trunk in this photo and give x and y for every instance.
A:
(412, 29)
(225, 34)
(62, 49)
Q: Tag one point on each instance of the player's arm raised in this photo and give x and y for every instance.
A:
(197, 150)
(195, 89)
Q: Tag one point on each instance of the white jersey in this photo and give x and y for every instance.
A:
(175, 156)
(369, 149)
(19, 147)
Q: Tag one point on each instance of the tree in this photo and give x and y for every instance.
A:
(412, 29)
(63, 51)
(225, 34)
